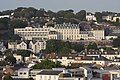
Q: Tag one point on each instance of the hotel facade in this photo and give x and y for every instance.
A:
(65, 31)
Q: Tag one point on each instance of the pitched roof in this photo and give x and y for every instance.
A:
(49, 72)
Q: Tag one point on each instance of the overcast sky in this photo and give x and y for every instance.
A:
(56, 5)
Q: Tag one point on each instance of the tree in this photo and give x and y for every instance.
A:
(23, 53)
(7, 77)
(10, 59)
(40, 13)
(18, 24)
(78, 47)
(98, 16)
(116, 42)
(8, 52)
(51, 46)
(81, 15)
(58, 46)
(4, 23)
(30, 79)
(115, 23)
(64, 48)
(92, 45)
(66, 14)
(3, 63)
(51, 13)
(47, 64)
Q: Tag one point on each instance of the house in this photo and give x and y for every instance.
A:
(52, 74)
(22, 73)
(2, 47)
(19, 58)
(90, 17)
(58, 75)
(107, 17)
(17, 45)
(109, 74)
(34, 72)
(98, 34)
(37, 46)
(116, 18)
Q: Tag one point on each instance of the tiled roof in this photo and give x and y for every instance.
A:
(49, 72)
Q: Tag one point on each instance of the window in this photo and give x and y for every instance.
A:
(24, 73)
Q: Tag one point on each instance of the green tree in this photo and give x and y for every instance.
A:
(4, 23)
(51, 13)
(78, 47)
(3, 63)
(98, 16)
(8, 52)
(64, 48)
(81, 15)
(7, 77)
(92, 45)
(18, 24)
(47, 64)
(30, 79)
(116, 42)
(10, 59)
(66, 14)
(40, 13)
(58, 46)
(115, 23)
(51, 46)
(23, 53)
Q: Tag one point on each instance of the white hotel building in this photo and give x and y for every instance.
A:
(68, 31)
(30, 33)
(60, 31)
(65, 31)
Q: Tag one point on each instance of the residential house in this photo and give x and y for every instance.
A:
(17, 45)
(90, 17)
(2, 47)
(37, 46)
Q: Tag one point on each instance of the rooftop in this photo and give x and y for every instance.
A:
(49, 72)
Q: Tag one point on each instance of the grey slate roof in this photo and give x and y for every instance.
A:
(49, 72)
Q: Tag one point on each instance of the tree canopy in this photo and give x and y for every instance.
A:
(81, 15)
(47, 64)
(116, 42)
(58, 46)
(7, 77)
(10, 59)
(92, 46)
(63, 47)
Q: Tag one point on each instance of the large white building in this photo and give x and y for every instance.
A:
(98, 34)
(30, 33)
(68, 31)
(61, 31)
(65, 31)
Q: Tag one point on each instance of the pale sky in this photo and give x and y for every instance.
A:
(56, 5)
